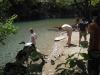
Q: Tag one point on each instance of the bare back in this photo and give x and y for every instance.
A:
(94, 30)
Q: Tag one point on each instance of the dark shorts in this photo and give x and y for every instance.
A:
(82, 33)
(94, 61)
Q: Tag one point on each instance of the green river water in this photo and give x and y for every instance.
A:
(46, 31)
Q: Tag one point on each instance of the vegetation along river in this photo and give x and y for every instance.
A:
(46, 31)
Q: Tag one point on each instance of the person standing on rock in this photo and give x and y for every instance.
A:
(68, 29)
(82, 28)
(94, 47)
(33, 36)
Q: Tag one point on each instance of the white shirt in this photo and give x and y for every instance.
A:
(66, 27)
(33, 36)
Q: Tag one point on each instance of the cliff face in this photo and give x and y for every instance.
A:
(60, 52)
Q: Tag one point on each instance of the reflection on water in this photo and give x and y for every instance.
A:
(46, 31)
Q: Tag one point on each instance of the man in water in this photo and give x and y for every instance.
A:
(68, 29)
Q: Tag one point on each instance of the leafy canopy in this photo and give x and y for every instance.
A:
(7, 28)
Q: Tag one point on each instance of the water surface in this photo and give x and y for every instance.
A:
(46, 31)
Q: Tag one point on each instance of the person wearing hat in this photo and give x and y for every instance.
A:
(82, 28)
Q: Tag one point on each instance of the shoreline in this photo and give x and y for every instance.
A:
(61, 52)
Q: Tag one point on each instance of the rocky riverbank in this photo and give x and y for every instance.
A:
(60, 51)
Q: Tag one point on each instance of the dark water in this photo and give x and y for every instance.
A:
(46, 31)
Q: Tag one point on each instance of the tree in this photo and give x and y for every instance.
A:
(85, 7)
(6, 26)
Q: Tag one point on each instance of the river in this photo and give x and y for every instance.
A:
(46, 31)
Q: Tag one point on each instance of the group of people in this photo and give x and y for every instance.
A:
(84, 28)
(93, 29)
(81, 27)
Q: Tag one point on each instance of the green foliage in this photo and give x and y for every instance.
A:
(34, 65)
(35, 9)
(4, 5)
(7, 28)
(38, 58)
(74, 65)
(84, 44)
(35, 56)
(93, 2)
